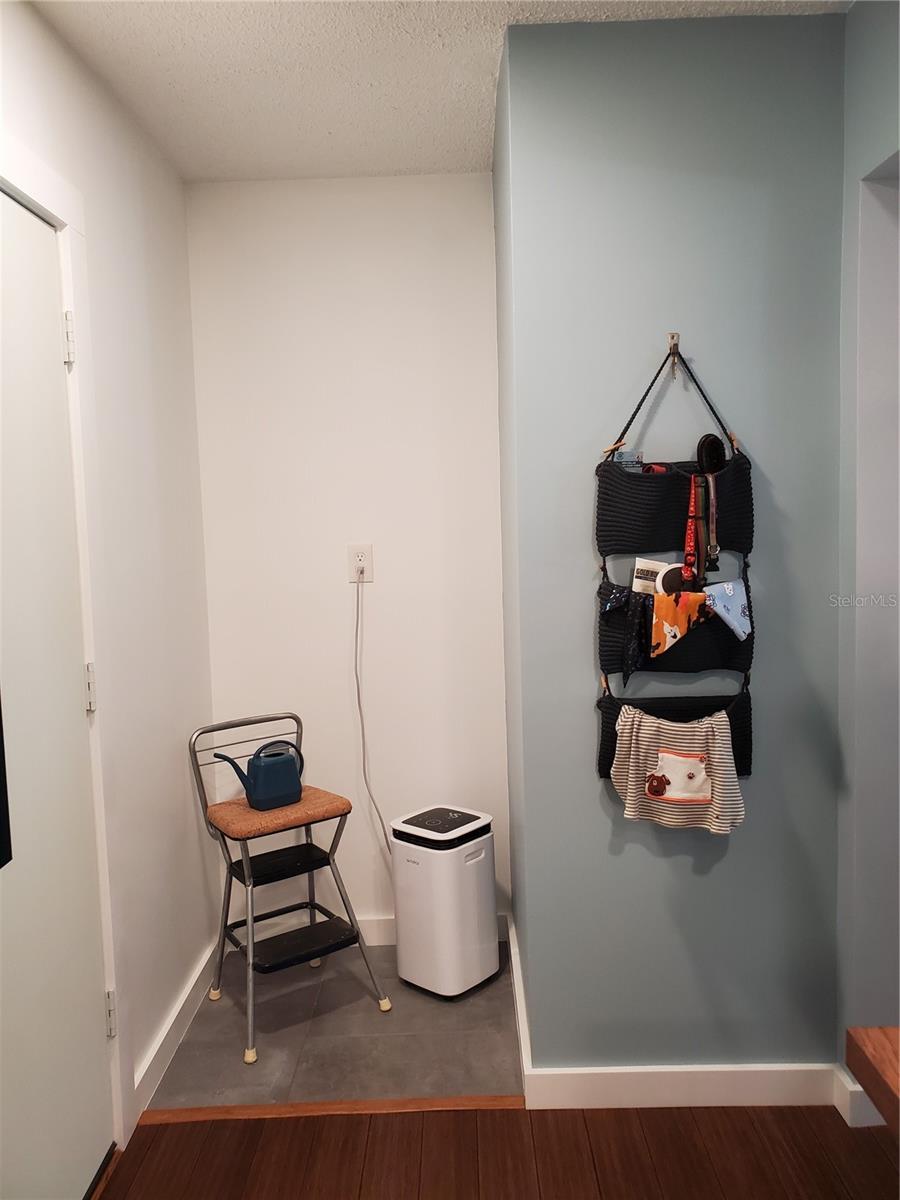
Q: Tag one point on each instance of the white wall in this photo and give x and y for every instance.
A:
(143, 517)
(345, 357)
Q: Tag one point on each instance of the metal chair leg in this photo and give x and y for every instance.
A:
(311, 897)
(250, 1051)
(384, 1002)
(215, 992)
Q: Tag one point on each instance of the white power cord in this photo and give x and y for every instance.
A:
(360, 572)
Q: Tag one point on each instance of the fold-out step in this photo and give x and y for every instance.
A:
(300, 945)
(285, 863)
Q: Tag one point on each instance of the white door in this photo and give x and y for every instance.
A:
(55, 1082)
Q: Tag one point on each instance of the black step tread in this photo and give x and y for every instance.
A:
(300, 945)
(285, 863)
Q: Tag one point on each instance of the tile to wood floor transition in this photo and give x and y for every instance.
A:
(734, 1154)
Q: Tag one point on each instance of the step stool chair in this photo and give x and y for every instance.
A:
(235, 821)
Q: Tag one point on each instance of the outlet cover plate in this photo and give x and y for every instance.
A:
(360, 554)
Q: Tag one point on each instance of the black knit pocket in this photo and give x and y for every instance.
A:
(680, 708)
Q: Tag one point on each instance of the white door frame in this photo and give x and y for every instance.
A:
(39, 188)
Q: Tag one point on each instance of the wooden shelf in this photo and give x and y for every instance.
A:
(872, 1057)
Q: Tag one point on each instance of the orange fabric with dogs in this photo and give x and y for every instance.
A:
(673, 616)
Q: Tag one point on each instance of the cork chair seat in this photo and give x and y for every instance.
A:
(238, 821)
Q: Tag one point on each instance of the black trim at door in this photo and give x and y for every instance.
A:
(5, 835)
(107, 1159)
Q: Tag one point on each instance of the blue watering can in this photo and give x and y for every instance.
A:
(272, 778)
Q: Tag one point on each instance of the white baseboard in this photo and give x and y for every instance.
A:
(150, 1070)
(690, 1084)
(382, 931)
(378, 931)
(851, 1101)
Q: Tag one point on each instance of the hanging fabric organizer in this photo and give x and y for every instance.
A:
(680, 756)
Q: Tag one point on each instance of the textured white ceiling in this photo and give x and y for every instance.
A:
(306, 88)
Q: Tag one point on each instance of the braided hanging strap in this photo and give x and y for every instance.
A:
(677, 356)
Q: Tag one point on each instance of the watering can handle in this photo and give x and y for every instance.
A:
(277, 742)
(290, 745)
(267, 745)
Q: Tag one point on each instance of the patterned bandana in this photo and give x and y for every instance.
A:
(638, 617)
(729, 601)
(673, 617)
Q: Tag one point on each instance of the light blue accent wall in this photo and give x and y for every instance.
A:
(655, 176)
(871, 103)
(868, 816)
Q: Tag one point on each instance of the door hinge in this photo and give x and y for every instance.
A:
(111, 1016)
(90, 688)
(68, 337)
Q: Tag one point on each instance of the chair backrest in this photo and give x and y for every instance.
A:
(227, 735)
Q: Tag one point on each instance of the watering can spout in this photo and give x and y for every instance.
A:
(241, 774)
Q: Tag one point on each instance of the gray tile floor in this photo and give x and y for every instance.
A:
(321, 1036)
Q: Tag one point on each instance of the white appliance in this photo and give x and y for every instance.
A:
(445, 900)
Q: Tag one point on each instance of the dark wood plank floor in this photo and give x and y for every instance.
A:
(638, 1154)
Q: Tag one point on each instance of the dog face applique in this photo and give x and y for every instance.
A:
(657, 784)
(679, 778)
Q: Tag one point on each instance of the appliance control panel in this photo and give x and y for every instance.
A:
(442, 820)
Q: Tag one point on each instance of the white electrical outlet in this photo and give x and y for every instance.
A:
(359, 556)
